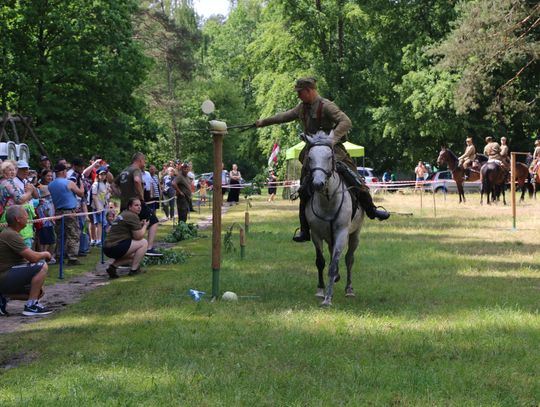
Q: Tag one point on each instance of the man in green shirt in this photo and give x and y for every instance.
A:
(130, 185)
(22, 271)
(316, 113)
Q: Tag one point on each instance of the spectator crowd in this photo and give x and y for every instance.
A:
(35, 204)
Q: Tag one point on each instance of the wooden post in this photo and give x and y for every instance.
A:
(217, 132)
(242, 243)
(246, 222)
(513, 187)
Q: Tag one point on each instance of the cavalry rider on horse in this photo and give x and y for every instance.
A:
(316, 113)
(466, 160)
(536, 157)
(493, 151)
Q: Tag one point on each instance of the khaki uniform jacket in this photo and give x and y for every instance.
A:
(493, 151)
(505, 152)
(470, 153)
(331, 118)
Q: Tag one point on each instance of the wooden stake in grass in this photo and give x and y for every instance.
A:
(246, 222)
(242, 243)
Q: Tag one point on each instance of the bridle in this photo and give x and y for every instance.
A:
(328, 174)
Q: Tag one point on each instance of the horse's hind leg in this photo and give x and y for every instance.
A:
(319, 262)
(354, 239)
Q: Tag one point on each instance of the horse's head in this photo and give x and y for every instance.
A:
(321, 158)
(443, 155)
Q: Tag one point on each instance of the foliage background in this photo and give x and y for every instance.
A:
(117, 76)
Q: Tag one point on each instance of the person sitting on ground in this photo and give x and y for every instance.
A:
(22, 270)
(129, 184)
(125, 241)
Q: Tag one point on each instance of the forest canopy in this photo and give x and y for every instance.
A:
(116, 76)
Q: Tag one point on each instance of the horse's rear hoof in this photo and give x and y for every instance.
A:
(349, 292)
(327, 302)
(319, 293)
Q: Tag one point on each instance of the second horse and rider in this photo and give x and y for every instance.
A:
(493, 152)
(317, 113)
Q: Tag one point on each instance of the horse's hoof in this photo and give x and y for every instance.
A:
(319, 293)
(337, 278)
(326, 303)
(349, 292)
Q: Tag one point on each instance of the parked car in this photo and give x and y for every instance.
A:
(208, 176)
(367, 173)
(441, 181)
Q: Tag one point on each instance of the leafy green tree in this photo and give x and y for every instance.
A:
(494, 48)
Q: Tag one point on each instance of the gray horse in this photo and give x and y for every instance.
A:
(330, 215)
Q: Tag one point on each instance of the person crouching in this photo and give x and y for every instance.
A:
(22, 270)
(125, 241)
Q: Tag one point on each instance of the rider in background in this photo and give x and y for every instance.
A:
(505, 152)
(316, 113)
(466, 160)
(492, 149)
(535, 157)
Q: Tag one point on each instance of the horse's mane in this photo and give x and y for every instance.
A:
(452, 155)
(481, 157)
(321, 138)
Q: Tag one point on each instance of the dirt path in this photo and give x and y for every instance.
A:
(68, 292)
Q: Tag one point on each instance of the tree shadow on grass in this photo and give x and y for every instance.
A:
(217, 355)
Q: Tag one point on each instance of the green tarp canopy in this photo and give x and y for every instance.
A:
(353, 149)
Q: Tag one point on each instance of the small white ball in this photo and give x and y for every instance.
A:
(229, 296)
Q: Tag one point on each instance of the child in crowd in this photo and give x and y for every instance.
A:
(111, 216)
(203, 187)
(100, 198)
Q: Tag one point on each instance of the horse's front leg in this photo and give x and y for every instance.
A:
(349, 261)
(333, 269)
(319, 262)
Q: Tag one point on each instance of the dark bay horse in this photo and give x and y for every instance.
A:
(521, 176)
(446, 156)
(493, 181)
(330, 215)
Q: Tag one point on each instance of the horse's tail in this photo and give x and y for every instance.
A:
(530, 186)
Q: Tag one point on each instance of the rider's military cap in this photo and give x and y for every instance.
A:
(305, 83)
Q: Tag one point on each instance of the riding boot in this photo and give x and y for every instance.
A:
(362, 193)
(467, 173)
(366, 202)
(303, 234)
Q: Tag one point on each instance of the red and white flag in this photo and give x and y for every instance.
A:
(273, 155)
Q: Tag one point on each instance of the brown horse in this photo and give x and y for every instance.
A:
(493, 181)
(446, 156)
(521, 176)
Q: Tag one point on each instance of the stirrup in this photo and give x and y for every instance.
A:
(294, 196)
(297, 237)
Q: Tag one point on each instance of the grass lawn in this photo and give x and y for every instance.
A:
(446, 313)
